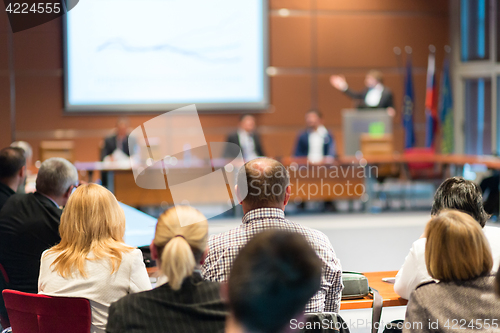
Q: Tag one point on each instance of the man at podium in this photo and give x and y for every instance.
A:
(374, 96)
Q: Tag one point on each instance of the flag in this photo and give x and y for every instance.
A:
(408, 107)
(446, 110)
(431, 102)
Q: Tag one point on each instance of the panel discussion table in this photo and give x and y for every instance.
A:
(340, 178)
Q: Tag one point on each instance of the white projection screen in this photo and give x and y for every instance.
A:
(157, 55)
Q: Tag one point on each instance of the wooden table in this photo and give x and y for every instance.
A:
(386, 290)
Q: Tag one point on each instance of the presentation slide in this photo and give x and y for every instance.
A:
(156, 55)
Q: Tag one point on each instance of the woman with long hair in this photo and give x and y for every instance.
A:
(92, 260)
(458, 258)
(186, 303)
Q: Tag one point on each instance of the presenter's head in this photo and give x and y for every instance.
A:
(460, 194)
(373, 78)
(56, 179)
(314, 119)
(179, 248)
(247, 123)
(122, 125)
(271, 280)
(263, 183)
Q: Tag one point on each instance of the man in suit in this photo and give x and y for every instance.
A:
(246, 138)
(12, 172)
(270, 259)
(374, 96)
(117, 141)
(315, 142)
(29, 223)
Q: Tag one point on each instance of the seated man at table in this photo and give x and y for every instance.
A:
(270, 259)
(12, 172)
(315, 142)
(246, 138)
(29, 223)
(268, 193)
(454, 193)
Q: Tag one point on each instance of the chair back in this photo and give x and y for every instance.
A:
(33, 313)
(4, 284)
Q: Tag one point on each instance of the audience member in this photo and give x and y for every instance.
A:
(457, 254)
(29, 223)
(271, 280)
(375, 94)
(454, 193)
(268, 193)
(186, 303)
(92, 261)
(28, 184)
(315, 142)
(246, 138)
(12, 172)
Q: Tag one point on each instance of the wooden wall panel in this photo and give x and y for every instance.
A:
(5, 133)
(290, 41)
(290, 4)
(368, 41)
(415, 6)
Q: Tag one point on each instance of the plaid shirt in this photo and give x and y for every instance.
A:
(223, 249)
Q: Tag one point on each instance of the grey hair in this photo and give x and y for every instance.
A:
(55, 176)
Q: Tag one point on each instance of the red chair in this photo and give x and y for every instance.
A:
(33, 313)
(4, 284)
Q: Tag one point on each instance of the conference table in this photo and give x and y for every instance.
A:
(345, 177)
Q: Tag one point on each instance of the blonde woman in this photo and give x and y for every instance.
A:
(457, 254)
(186, 303)
(92, 261)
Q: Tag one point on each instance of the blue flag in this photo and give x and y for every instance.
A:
(408, 107)
(446, 111)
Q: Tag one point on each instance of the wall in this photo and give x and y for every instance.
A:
(316, 39)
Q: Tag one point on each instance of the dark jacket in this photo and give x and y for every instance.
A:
(196, 307)
(233, 138)
(110, 146)
(29, 225)
(302, 145)
(386, 100)
(5, 193)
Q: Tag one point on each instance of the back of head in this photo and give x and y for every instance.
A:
(266, 180)
(92, 221)
(272, 279)
(55, 176)
(460, 194)
(26, 147)
(456, 248)
(12, 160)
(180, 248)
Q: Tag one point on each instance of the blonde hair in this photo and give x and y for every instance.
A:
(92, 221)
(180, 248)
(456, 248)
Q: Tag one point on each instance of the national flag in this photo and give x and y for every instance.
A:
(431, 102)
(408, 106)
(446, 110)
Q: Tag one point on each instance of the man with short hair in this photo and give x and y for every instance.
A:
(454, 193)
(246, 138)
(29, 223)
(316, 142)
(263, 189)
(12, 172)
(271, 280)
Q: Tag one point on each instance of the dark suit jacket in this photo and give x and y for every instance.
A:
(386, 100)
(196, 307)
(110, 146)
(5, 193)
(302, 145)
(29, 225)
(233, 138)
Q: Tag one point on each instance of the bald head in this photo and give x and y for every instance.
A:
(267, 181)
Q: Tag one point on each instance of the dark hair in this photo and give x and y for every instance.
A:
(460, 194)
(266, 184)
(317, 112)
(497, 282)
(12, 159)
(272, 279)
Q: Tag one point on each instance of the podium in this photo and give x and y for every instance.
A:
(356, 122)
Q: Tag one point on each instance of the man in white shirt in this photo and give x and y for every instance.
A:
(375, 95)
(315, 142)
(454, 193)
(246, 138)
